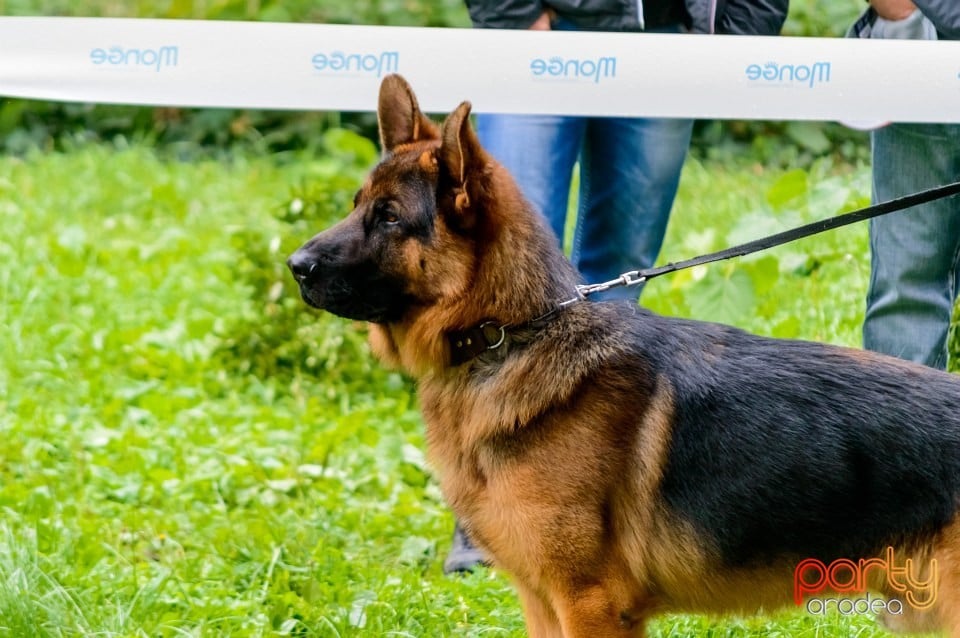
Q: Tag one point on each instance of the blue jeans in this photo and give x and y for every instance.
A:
(915, 254)
(629, 172)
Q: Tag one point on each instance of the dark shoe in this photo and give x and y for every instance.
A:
(463, 556)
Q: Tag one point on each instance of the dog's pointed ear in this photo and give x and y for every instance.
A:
(399, 116)
(460, 150)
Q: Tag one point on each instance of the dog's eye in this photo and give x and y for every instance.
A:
(387, 212)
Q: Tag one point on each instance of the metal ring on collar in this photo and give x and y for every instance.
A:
(503, 334)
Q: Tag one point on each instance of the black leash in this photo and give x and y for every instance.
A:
(635, 277)
(470, 343)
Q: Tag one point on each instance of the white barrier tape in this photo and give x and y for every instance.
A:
(337, 67)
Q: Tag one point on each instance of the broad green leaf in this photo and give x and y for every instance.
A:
(809, 135)
(722, 297)
(787, 188)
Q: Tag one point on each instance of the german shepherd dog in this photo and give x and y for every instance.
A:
(618, 464)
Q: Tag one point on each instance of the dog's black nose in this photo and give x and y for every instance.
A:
(301, 265)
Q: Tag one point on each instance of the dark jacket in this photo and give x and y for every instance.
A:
(742, 17)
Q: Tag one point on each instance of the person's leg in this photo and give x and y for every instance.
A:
(914, 253)
(540, 152)
(629, 173)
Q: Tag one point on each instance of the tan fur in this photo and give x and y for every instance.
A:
(947, 552)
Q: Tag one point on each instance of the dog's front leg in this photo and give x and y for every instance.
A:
(542, 622)
(603, 609)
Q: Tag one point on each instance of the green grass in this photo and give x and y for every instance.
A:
(187, 451)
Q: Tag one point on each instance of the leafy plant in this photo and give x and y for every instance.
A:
(283, 335)
(811, 289)
(821, 19)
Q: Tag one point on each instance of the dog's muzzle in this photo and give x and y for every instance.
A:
(305, 270)
(302, 266)
(346, 290)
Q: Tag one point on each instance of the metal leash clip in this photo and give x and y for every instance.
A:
(631, 278)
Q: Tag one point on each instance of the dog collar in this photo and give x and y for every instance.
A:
(468, 344)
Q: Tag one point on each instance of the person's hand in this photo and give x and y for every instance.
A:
(893, 9)
(542, 23)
